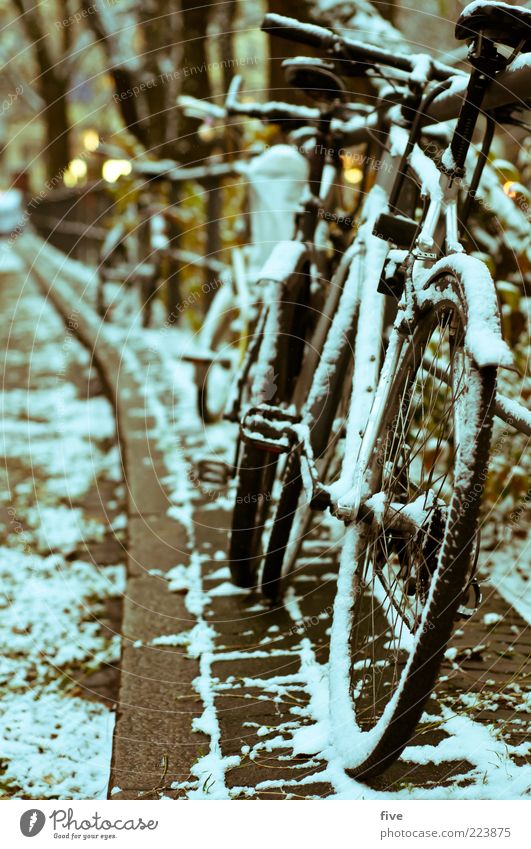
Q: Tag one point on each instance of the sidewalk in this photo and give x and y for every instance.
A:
(61, 561)
(152, 742)
(221, 695)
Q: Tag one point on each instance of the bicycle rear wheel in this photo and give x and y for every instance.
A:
(278, 364)
(404, 571)
(256, 475)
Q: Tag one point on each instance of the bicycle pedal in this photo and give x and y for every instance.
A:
(214, 471)
(269, 428)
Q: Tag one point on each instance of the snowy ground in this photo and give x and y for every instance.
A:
(262, 730)
(467, 750)
(58, 444)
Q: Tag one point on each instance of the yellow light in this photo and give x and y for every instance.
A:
(91, 140)
(353, 175)
(69, 179)
(78, 168)
(508, 188)
(115, 168)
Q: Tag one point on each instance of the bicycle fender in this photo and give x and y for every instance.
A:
(483, 338)
(285, 259)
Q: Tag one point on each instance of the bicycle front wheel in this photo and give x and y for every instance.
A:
(405, 569)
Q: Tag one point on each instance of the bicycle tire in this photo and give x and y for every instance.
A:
(215, 336)
(256, 474)
(370, 743)
(257, 467)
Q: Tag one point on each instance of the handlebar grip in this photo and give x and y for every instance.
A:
(293, 30)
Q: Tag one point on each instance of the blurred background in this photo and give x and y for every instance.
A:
(89, 87)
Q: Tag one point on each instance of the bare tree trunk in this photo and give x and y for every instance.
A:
(225, 15)
(194, 75)
(160, 25)
(58, 148)
(53, 88)
(172, 59)
(118, 66)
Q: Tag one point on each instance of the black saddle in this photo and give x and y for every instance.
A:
(499, 22)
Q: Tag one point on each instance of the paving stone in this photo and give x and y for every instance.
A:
(151, 609)
(156, 542)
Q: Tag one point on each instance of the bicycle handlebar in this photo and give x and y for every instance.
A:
(273, 112)
(509, 86)
(303, 33)
(347, 48)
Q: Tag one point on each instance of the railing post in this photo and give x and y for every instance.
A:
(214, 189)
(173, 283)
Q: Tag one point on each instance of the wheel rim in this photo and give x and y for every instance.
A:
(216, 388)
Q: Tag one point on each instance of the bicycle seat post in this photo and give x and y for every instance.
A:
(486, 62)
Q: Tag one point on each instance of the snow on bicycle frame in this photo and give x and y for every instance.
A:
(420, 582)
(440, 187)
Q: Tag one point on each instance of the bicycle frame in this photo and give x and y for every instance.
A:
(363, 305)
(384, 649)
(361, 302)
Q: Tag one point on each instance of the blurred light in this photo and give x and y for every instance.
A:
(91, 140)
(353, 175)
(76, 171)
(78, 168)
(509, 188)
(114, 168)
(206, 132)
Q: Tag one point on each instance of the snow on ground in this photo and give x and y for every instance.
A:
(54, 743)
(492, 773)
(507, 569)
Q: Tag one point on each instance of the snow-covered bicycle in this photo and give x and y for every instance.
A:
(297, 279)
(274, 181)
(397, 452)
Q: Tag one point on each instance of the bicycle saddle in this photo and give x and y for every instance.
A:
(504, 24)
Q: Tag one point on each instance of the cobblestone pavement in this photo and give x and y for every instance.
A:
(224, 696)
